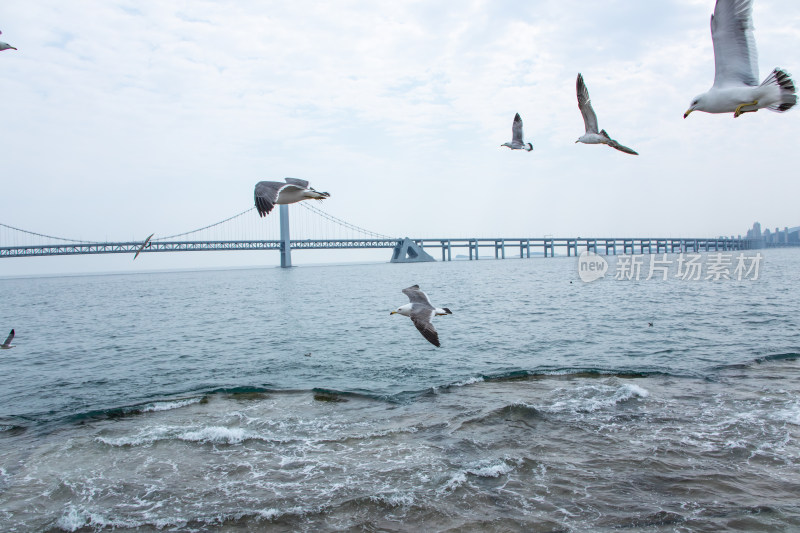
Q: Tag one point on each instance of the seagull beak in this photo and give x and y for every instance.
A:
(392, 313)
(688, 111)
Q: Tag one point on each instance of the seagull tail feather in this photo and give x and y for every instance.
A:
(784, 84)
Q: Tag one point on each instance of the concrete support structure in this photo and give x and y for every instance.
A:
(286, 242)
(408, 251)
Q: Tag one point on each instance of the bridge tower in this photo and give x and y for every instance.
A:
(286, 243)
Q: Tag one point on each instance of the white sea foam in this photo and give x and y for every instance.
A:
(210, 434)
(593, 398)
(74, 519)
(469, 381)
(455, 481)
(169, 405)
(490, 470)
(496, 470)
(217, 435)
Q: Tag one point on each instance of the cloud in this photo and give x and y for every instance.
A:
(139, 116)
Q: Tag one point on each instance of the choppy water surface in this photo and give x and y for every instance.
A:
(246, 400)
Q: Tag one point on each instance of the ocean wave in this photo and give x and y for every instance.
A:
(169, 405)
(75, 518)
(594, 398)
(483, 469)
(770, 358)
(206, 435)
(218, 435)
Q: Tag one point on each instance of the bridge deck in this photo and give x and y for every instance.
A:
(544, 245)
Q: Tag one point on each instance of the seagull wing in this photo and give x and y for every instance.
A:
(11, 337)
(266, 194)
(614, 144)
(295, 181)
(621, 148)
(422, 320)
(585, 105)
(416, 296)
(516, 131)
(735, 53)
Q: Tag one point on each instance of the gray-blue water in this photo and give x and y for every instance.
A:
(291, 400)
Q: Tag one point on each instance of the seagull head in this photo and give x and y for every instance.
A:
(326, 195)
(697, 103)
(404, 310)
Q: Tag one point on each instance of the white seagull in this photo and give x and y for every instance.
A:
(592, 136)
(421, 312)
(736, 89)
(6, 345)
(269, 193)
(5, 46)
(517, 142)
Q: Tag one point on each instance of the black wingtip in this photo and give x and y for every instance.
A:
(446, 310)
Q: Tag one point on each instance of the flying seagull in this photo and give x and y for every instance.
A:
(145, 244)
(736, 89)
(5, 46)
(6, 345)
(517, 142)
(592, 136)
(269, 193)
(421, 312)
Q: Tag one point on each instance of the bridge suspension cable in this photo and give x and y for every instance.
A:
(205, 227)
(46, 236)
(323, 214)
(309, 223)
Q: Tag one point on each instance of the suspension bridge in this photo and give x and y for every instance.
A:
(314, 229)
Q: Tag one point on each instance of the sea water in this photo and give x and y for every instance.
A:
(290, 400)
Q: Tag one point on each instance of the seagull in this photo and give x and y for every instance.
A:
(145, 244)
(421, 312)
(736, 89)
(269, 193)
(6, 345)
(5, 46)
(516, 136)
(590, 120)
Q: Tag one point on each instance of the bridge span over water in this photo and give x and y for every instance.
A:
(319, 230)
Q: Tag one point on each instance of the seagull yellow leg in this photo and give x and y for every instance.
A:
(739, 108)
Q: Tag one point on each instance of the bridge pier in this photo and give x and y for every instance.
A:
(501, 245)
(286, 242)
(446, 246)
(473, 243)
(627, 243)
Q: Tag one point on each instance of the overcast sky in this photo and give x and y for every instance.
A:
(122, 118)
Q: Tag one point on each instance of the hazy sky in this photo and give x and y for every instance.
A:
(121, 118)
